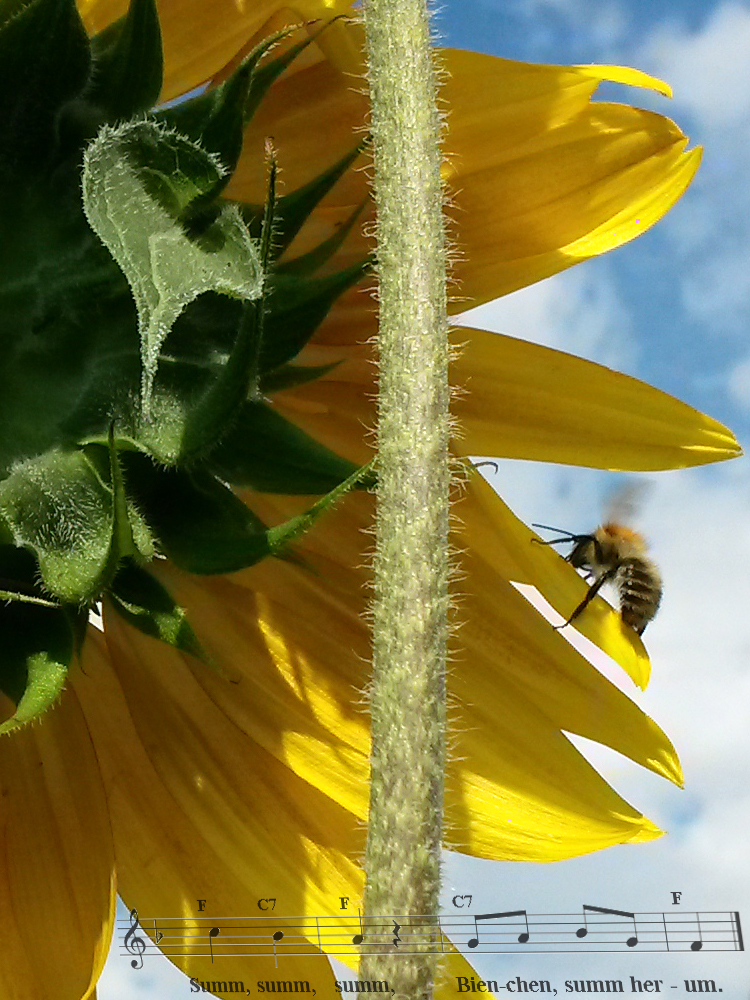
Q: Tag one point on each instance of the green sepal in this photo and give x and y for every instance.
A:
(78, 620)
(297, 306)
(284, 534)
(35, 654)
(266, 74)
(122, 543)
(216, 119)
(207, 419)
(62, 507)
(314, 259)
(204, 528)
(267, 452)
(288, 376)
(293, 209)
(200, 524)
(129, 63)
(45, 61)
(149, 607)
(139, 184)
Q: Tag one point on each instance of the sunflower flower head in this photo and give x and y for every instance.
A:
(186, 386)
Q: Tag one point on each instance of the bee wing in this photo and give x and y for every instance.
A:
(626, 500)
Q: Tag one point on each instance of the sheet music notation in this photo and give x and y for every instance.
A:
(593, 929)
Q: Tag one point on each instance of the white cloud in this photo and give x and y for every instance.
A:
(578, 311)
(708, 69)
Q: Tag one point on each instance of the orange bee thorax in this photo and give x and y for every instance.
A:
(620, 533)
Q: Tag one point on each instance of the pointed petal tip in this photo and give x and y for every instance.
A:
(628, 75)
(647, 830)
(667, 764)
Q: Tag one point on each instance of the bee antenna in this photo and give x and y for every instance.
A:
(494, 465)
(568, 536)
(548, 527)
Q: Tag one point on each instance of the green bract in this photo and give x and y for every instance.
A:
(144, 321)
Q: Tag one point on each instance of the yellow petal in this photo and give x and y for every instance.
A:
(571, 193)
(541, 177)
(201, 811)
(523, 400)
(302, 658)
(520, 400)
(515, 776)
(57, 888)
(200, 38)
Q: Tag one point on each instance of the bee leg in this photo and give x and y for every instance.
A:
(593, 590)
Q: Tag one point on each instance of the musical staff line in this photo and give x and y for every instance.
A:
(594, 929)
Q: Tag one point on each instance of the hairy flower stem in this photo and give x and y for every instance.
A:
(411, 563)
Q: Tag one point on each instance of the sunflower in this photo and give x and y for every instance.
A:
(210, 747)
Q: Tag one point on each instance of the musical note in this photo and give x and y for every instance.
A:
(359, 938)
(631, 942)
(523, 938)
(214, 932)
(697, 945)
(276, 936)
(396, 929)
(134, 943)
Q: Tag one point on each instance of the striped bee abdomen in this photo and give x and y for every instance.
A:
(639, 587)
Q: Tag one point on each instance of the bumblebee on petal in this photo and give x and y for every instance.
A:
(614, 553)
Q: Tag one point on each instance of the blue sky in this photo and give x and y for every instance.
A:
(671, 308)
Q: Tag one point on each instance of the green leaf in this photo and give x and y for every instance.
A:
(269, 453)
(139, 183)
(148, 606)
(296, 307)
(44, 63)
(129, 63)
(35, 653)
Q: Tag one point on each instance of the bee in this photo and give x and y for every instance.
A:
(614, 553)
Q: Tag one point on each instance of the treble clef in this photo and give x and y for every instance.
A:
(134, 943)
